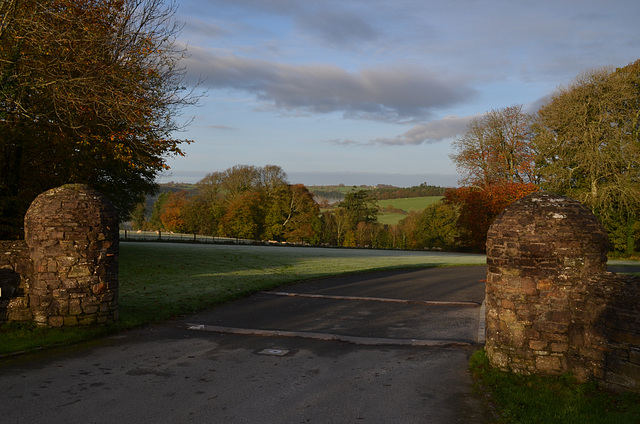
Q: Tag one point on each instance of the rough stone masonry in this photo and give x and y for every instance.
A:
(552, 307)
(66, 272)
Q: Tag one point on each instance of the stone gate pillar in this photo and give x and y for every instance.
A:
(72, 234)
(541, 315)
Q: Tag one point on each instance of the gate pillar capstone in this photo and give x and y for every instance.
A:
(541, 314)
(72, 234)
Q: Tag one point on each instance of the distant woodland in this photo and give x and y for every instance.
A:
(259, 203)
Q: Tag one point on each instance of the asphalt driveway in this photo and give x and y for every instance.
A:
(388, 347)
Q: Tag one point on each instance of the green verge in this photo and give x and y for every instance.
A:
(560, 400)
(160, 281)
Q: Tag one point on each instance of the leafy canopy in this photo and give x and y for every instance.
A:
(588, 147)
(89, 93)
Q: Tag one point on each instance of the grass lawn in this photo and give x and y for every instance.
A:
(559, 400)
(159, 281)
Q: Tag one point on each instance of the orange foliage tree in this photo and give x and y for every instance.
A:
(172, 214)
(496, 158)
(479, 206)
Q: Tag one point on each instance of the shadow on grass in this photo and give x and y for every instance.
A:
(160, 281)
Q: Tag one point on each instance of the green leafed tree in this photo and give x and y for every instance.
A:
(359, 206)
(588, 147)
(155, 221)
(89, 93)
(139, 216)
(438, 226)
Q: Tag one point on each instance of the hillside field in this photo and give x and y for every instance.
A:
(407, 204)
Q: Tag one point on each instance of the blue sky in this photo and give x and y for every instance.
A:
(374, 91)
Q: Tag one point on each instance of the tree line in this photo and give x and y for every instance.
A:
(244, 201)
(332, 194)
(422, 190)
(583, 143)
(259, 203)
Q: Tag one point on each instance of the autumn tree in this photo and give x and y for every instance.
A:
(241, 178)
(370, 234)
(588, 145)
(479, 206)
(89, 93)
(207, 205)
(496, 147)
(272, 179)
(407, 230)
(496, 158)
(173, 212)
(329, 232)
(244, 217)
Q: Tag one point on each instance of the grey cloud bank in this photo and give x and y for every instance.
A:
(391, 94)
